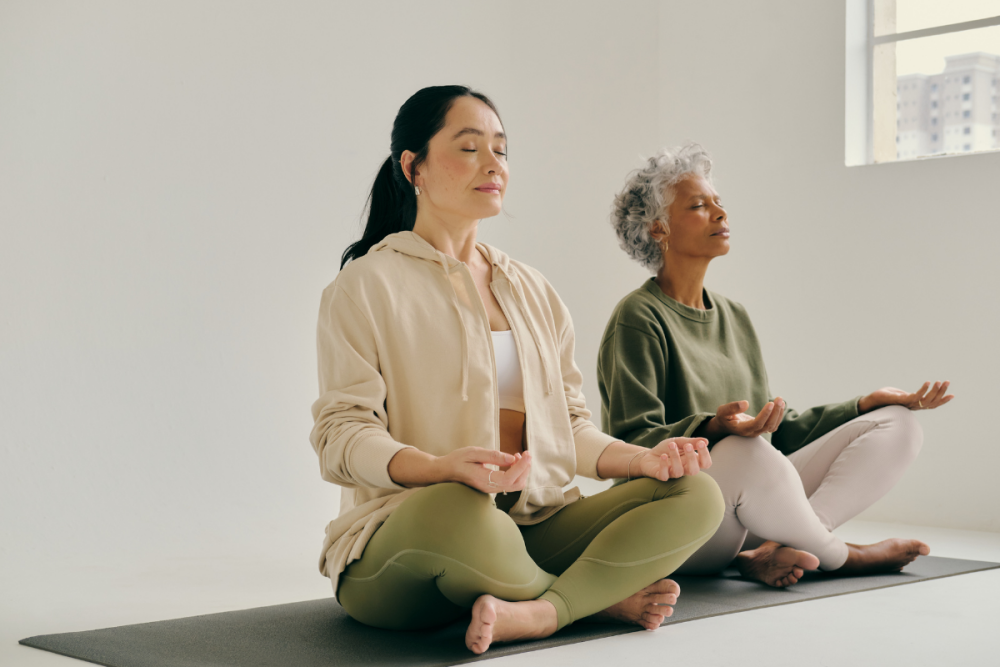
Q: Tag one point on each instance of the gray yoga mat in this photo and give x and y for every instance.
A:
(319, 633)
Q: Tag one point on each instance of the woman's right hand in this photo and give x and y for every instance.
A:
(471, 466)
(730, 419)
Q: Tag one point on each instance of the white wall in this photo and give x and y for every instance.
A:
(856, 277)
(177, 182)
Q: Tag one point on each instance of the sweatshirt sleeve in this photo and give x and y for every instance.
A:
(350, 432)
(632, 370)
(798, 430)
(588, 440)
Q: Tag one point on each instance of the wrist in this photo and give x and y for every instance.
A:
(413, 468)
(710, 429)
(865, 404)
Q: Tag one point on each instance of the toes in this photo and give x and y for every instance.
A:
(661, 599)
(664, 586)
(651, 621)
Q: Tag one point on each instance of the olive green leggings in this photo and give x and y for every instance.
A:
(448, 544)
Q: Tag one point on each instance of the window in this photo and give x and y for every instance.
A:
(967, 130)
(933, 137)
(967, 147)
(920, 47)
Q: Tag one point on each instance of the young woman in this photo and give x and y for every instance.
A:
(679, 360)
(447, 376)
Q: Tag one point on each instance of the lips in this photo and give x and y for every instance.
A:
(489, 188)
(724, 233)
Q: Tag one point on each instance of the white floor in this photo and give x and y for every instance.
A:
(952, 621)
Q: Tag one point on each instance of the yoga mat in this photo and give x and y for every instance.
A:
(319, 633)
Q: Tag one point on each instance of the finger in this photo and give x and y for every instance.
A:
(946, 399)
(518, 482)
(676, 465)
(704, 458)
(734, 408)
(919, 393)
(927, 398)
(489, 456)
(942, 388)
(760, 422)
(680, 442)
(690, 460)
(775, 419)
(507, 479)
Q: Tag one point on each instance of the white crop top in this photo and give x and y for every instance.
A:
(510, 384)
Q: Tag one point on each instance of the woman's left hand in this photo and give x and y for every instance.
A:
(926, 398)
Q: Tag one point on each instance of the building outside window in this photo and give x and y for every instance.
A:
(935, 60)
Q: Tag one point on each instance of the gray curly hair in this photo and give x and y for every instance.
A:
(647, 194)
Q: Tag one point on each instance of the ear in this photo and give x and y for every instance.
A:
(658, 231)
(406, 163)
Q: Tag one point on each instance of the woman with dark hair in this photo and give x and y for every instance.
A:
(680, 360)
(447, 376)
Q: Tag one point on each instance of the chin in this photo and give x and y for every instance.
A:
(485, 212)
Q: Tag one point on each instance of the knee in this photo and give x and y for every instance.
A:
(907, 433)
(754, 457)
(706, 506)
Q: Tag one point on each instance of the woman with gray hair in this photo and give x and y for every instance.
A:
(678, 360)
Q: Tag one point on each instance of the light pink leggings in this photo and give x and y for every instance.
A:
(797, 500)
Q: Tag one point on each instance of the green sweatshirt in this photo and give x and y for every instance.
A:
(665, 368)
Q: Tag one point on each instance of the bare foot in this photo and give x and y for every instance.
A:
(885, 556)
(495, 620)
(775, 565)
(647, 608)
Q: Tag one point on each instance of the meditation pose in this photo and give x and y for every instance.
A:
(447, 376)
(678, 360)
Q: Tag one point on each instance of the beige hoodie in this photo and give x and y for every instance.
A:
(406, 360)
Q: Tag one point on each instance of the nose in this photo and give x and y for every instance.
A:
(494, 165)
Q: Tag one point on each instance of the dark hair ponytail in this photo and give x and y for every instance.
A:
(392, 203)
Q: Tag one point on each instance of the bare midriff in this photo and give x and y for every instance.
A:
(511, 432)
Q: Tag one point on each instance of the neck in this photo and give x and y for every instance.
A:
(455, 238)
(683, 280)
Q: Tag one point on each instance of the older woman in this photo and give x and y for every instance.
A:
(447, 376)
(679, 360)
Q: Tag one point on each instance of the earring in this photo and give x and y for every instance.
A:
(416, 190)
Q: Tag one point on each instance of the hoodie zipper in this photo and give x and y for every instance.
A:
(523, 499)
(493, 360)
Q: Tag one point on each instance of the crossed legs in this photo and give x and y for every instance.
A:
(778, 507)
(448, 548)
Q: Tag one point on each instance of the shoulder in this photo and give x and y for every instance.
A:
(373, 275)
(728, 308)
(639, 310)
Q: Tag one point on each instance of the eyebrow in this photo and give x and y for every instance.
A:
(702, 196)
(478, 133)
